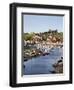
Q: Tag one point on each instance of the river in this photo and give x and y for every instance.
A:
(42, 64)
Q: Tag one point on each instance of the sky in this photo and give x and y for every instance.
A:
(42, 23)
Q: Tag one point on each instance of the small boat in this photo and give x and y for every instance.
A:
(25, 59)
(59, 61)
(47, 53)
(44, 54)
(61, 57)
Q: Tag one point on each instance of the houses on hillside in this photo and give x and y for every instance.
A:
(51, 40)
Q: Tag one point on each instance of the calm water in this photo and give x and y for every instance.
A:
(42, 64)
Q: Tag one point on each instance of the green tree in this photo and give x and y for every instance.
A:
(28, 36)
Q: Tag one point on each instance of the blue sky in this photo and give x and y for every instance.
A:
(42, 23)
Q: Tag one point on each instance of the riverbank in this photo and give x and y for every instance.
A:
(35, 51)
(58, 66)
(34, 55)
